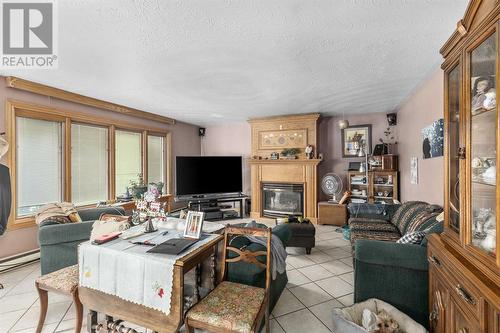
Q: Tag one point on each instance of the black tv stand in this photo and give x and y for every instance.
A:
(212, 208)
(208, 206)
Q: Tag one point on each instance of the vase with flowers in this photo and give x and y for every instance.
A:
(149, 209)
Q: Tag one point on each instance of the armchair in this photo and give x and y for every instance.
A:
(395, 273)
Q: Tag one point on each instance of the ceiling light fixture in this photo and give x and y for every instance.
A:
(343, 123)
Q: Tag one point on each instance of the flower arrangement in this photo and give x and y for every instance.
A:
(158, 186)
(149, 207)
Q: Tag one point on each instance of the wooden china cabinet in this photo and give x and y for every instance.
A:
(464, 262)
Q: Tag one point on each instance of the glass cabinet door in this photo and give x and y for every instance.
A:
(454, 144)
(483, 141)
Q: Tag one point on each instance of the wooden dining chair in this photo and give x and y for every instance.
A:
(65, 282)
(235, 307)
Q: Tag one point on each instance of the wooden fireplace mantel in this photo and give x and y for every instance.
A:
(298, 171)
(273, 135)
(314, 161)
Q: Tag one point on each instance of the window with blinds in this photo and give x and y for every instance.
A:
(128, 159)
(156, 160)
(89, 164)
(58, 156)
(39, 164)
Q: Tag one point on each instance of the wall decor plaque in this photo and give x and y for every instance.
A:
(283, 139)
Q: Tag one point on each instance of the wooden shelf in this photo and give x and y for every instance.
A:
(374, 188)
(482, 182)
(482, 111)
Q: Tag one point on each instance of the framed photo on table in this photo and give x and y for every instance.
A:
(356, 141)
(194, 224)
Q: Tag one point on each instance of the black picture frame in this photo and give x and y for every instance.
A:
(348, 150)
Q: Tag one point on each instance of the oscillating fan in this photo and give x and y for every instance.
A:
(332, 185)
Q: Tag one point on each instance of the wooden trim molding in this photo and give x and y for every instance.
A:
(314, 161)
(169, 188)
(38, 88)
(111, 163)
(144, 156)
(10, 123)
(305, 116)
(473, 20)
(67, 160)
(33, 110)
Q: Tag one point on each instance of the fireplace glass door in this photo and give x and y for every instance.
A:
(283, 199)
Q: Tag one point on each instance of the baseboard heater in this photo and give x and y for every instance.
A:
(18, 260)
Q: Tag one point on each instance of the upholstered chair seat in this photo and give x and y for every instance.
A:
(230, 306)
(64, 280)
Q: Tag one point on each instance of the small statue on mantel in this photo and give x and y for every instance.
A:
(309, 152)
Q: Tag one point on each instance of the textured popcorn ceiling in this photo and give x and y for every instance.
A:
(207, 61)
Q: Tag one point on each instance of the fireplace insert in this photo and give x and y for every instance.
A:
(281, 200)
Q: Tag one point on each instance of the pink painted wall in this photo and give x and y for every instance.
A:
(230, 139)
(235, 139)
(424, 106)
(185, 141)
(330, 143)
(421, 109)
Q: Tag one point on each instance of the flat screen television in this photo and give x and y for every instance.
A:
(207, 176)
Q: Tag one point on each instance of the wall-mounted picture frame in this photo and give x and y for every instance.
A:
(356, 141)
(194, 224)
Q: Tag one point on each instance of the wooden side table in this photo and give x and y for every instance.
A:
(332, 213)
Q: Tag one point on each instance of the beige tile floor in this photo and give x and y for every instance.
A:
(317, 283)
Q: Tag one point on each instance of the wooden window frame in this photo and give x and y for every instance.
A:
(16, 108)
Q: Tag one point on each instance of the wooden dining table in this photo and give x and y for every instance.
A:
(116, 309)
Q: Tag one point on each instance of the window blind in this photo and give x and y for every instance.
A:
(156, 159)
(128, 159)
(39, 169)
(89, 164)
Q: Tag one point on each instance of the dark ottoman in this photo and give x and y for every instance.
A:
(303, 235)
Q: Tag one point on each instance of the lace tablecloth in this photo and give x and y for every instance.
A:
(125, 270)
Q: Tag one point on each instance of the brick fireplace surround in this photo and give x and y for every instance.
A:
(294, 171)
